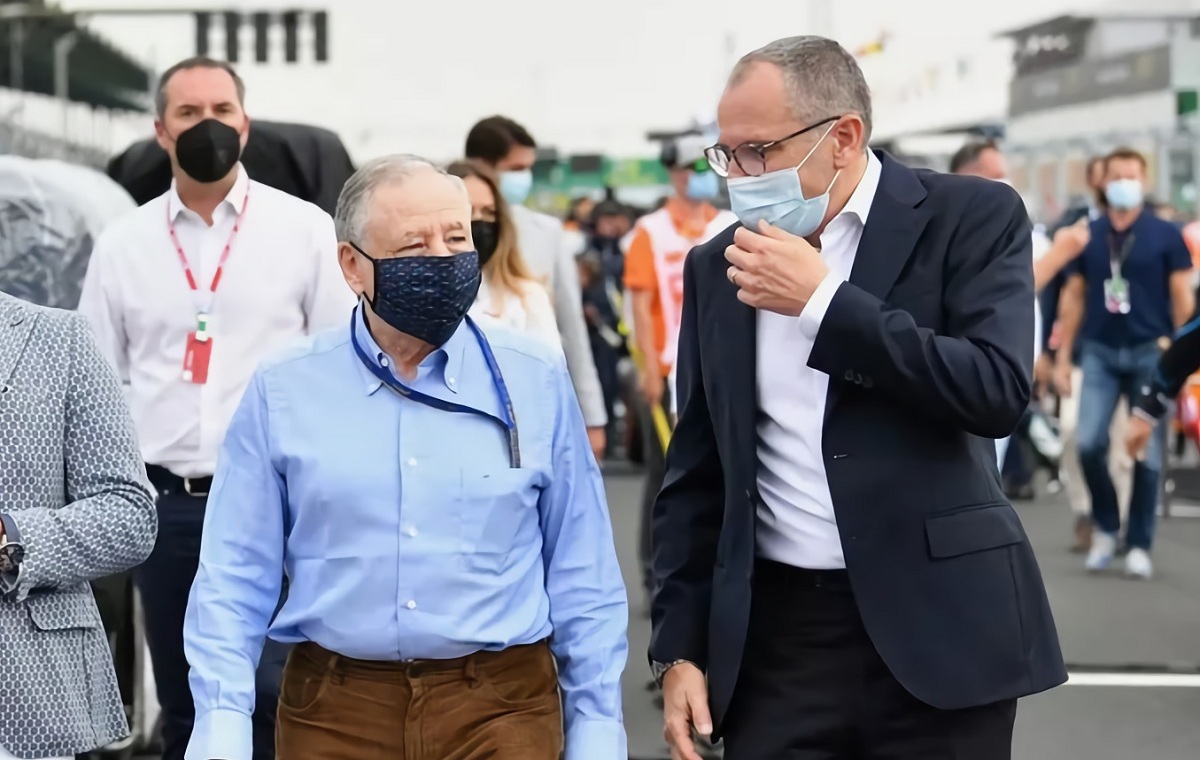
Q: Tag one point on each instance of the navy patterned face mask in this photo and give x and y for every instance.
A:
(426, 297)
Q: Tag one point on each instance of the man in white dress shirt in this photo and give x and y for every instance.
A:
(187, 295)
(839, 574)
(509, 150)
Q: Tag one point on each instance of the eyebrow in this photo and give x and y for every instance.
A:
(455, 226)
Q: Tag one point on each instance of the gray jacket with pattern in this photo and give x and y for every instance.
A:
(73, 484)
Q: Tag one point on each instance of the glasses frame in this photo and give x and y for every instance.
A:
(730, 155)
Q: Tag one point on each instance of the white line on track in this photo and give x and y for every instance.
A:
(1143, 680)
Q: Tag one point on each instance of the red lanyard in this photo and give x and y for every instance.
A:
(187, 268)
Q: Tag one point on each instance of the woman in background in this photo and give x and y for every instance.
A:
(509, 296)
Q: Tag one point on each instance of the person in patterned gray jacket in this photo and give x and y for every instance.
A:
(75, 505)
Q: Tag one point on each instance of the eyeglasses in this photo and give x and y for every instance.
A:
(751, 157)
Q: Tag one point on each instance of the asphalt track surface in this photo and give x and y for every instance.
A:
(1133, 648)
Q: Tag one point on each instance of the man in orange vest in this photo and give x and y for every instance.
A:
(654, 279)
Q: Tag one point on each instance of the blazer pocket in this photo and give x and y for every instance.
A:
(62, 611)
(972, 529)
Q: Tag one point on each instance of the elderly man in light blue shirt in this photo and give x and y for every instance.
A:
(429, 493)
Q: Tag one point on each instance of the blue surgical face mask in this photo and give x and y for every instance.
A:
(1124, 194)
(778, 198)
(703, 186)
(426, 297)
(515, 186)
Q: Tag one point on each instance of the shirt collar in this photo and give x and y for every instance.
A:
(445, 362)
(863, 196)
(236, 198)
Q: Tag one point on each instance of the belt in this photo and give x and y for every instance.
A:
(170, 484)
(779, 574)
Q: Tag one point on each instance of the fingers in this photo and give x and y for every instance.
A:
(678, 733)
(750, 241)
(739, 257)
(698, 707)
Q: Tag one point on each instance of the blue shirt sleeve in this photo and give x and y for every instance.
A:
(588, 606)
(1178, 255)
(238, 584)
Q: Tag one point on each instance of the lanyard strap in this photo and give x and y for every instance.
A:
(1116, 258)
(508, 421)
(183, 260)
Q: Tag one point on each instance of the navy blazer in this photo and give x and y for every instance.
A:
(929, 351)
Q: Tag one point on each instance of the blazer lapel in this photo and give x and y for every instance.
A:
(894, 225)
(15, 326)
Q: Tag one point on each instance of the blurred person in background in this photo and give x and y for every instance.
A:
(74, 507)
(579, 215)
(463, 600)
(187, 294)
(1178, 363)
(1070, 470)
(602, 272)
(654, 280)
(507, 148)
(1131, 288)
(839, 574)
(508, 294)
(984, 158)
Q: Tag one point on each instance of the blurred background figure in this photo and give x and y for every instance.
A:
(507, 148)
(508, 295)
(654, 280)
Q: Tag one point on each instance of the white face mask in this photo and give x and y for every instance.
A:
(778, 198)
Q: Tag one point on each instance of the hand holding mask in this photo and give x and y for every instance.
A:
(773, 269)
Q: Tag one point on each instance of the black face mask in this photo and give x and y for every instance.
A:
(208, 151)
(486, 236)
(426, 297)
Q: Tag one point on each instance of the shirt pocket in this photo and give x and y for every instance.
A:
(497, 513)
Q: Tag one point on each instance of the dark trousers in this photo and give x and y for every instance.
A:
(812, 686)
(164, 581)
(654, 466)
(485, 706)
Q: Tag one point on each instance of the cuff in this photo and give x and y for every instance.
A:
(595, 740)
(814, 311)
(221, 734)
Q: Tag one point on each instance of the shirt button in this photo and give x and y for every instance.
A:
(383, 361)
(410, 531)
(450, 382)
(411, 605)
(412, 462)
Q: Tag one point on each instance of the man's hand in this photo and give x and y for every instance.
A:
(1073, 239)
(685, 707)
(1137, 435)
(1043, 373)
(1062, 377)
(652, 387)
(774, 270)
(598, 438)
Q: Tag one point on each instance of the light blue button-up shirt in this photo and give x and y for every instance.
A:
(405, 533)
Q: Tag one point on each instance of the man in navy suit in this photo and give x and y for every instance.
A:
(838, 572)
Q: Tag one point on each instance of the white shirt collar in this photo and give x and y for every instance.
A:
(863, 196)
(236, 197)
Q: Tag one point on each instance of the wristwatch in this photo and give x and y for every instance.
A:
(659, 669)
(12, 551)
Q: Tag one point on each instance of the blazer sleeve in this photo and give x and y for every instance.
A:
(690, 507)
(976, 373)
(108, 523)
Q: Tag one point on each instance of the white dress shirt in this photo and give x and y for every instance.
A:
(796, 521)
(280, 282)
(531, 313)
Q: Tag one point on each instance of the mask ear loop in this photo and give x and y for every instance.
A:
(809, 155)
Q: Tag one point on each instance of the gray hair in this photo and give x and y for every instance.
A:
(350, 218)
(821, 77)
